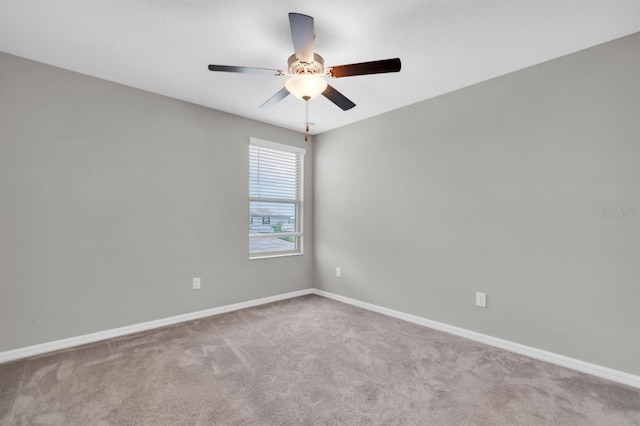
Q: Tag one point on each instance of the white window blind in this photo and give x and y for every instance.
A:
(275, 198)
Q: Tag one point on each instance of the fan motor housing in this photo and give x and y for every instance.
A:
(298, 67)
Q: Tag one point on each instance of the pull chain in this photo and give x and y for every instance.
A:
(306, 121)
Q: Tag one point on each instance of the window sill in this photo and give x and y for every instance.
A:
(271, 256)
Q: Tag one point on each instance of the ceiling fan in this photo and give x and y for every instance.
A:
(306, 69)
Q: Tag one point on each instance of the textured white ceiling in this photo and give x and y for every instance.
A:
(164, 46)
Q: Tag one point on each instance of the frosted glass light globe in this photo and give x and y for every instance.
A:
(306, 86)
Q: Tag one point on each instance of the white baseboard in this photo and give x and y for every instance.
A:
(574, 364)
(561, 360)
(143, 326)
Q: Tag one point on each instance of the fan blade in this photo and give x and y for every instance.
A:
(283, 93)
(303, 36)
(374, 67)
(337, 98)
(245, 70)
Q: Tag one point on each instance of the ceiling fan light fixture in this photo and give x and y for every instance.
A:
(306, 86)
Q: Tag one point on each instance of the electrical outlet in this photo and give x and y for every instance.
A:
(196, 283)
(338, 271)
(481, 300)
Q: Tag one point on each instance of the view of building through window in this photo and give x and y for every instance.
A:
(275, 198)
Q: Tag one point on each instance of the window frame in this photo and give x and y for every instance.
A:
(298, 234)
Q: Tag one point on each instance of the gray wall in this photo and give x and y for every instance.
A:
(112, 199)
(501, 188)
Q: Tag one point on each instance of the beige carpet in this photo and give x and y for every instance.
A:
(305, 361)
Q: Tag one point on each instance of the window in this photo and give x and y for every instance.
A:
(275, 199)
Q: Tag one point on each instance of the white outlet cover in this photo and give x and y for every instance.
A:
(196, 283)
(481, 300)
(338, 271)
